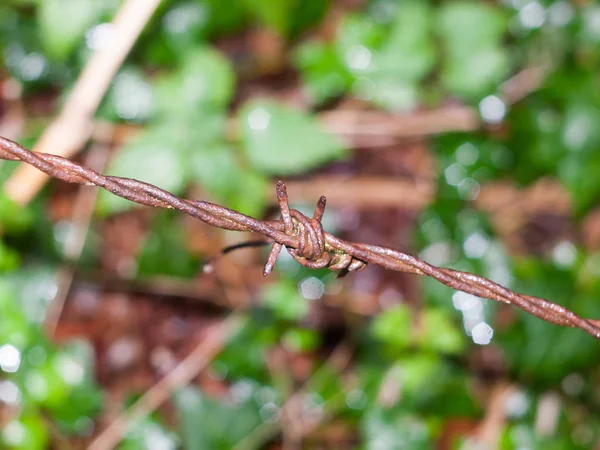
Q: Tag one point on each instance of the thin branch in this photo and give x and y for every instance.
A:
(73, 127)
(292, 420)
(158, 394)
(452, 118)
(306, 242)
(81, 217)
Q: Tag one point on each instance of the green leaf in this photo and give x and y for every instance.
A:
(280, 140)
(287, 17)
(149, 434)
(467, 26)
(539, 350)
(409, 51)
(477, 73)
(301, 340)
(167, 237)
(250, 193)
(217, 168)
(580, 130)
(439, 333)
(205, 81)
(395, 429)
(9, 258)
(75, 364)
(129, 98)
(275, 14)
(47, 385)
(323, 72)
(389, 63)
(13, 216)
(14, 328)
(357, 32)
(285, 301)
(224, 16)
(578, 172)
(184, 24)
(394, 327)
(417, 373)
(32, 285)
(213, 425)
(245, 353)
(156, 157)
(388, 92)
(25, 433)
(63, 24)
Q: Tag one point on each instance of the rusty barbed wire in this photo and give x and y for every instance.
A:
(303, 237)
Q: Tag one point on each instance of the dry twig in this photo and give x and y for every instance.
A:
(83, 210)
(73, 127)
(303, 237)
(186, 370)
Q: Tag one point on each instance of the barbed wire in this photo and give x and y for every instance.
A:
(303, 237)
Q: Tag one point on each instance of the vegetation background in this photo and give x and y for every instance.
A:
(465, 132)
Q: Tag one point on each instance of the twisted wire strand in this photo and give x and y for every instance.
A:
(303, 237)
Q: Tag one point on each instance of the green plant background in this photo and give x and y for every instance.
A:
(187, 83)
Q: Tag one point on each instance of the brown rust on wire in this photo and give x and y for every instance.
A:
(303, 237)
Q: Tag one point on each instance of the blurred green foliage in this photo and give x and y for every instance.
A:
(397, 56)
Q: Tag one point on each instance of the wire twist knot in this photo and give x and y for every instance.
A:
(312, 252)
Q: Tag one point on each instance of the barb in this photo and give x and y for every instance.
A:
(303, 237)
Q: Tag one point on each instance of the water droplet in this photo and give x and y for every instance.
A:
(155, 438)
(517, 404)
(475, 245)
(10, 393)
(560, 13)
(36, 385)
(242, 391)
(265, 395)
(468, 189)
(270, 412)
(10, 358)
(356, 399)
(492, 109)
(14, 433)
(577, 130)
(482, 333)
(100, 37)
(438, 254)
(591, 21)
(313, 407)
(473, 316)
(467, 154)
(564, 254)
(70, 370)
(259, 119)
(184, 17)
(454, 174)
(573, 384)
(465, 302)
(123, 352)
(359, 57)
(32, 66)
(501, 274)
(311, 288)
(532, 15)
(132, 96)
(37, 356)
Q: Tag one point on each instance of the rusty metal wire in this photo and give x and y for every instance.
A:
(303, 237)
